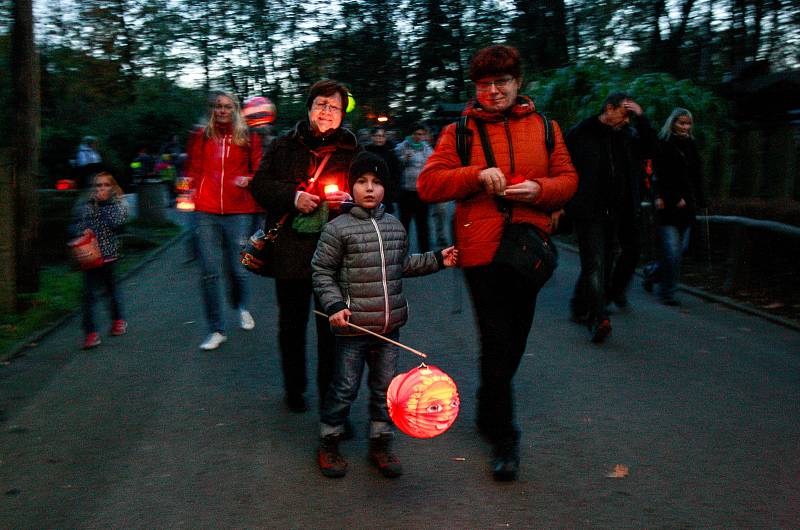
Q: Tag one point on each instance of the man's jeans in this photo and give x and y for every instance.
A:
(674, 243)
(219, 240)
(352, 353)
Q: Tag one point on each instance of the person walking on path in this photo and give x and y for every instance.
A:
(678, 190)
(291, 185)
(608, 156)
(358, 268)
(87, 160)
(222, 158)
(104, 214)
(413, 152)
(522, 188)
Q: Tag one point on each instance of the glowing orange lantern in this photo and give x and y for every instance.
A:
(423, 402)
(184, 202)
(331, 188)
(65, 184)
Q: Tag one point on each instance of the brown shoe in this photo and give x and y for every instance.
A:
(381, 456)
(331, 462)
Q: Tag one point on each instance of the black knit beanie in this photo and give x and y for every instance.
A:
(367, 162)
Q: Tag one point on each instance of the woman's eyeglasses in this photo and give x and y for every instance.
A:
(326, 106)
(102, 185)
(500, 84)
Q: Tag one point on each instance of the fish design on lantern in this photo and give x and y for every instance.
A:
(423, 402)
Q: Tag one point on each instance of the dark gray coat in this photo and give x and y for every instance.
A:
(360, 261)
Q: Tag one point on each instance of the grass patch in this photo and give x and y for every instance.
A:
(60, 286)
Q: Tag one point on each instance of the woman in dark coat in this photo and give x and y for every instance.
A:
(285, 186)
(678, 186)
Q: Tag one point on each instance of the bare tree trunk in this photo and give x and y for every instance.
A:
(25, 75)
(8, 275)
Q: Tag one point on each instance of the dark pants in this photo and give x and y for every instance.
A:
(352, 354)
(505, 315)
(604, 278)
(294, 300)
(412, 207)
(95, 280)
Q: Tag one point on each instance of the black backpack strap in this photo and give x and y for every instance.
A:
(487, 147)
(463, 140)
(549, 140)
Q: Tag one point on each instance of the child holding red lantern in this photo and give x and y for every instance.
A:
(103, 213)
(358, 266)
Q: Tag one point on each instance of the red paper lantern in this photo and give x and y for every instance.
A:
(423, 402)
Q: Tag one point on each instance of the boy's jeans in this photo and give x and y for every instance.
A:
(219, 240)
(352, 352)
(674, 243)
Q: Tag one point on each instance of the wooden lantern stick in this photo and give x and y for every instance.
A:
(359, 328)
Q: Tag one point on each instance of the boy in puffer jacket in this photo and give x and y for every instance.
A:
(358, 266)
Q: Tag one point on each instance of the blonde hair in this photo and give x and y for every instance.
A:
(116, 190)
(239, 130)
(677, 112)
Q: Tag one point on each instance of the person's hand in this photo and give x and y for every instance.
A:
(493, 181)
(525, 191)
(659, 204)
(242, 181)
(450, 255)
(340, 318)
(681, 203)
(631, 106)
(307, 202)
(336, 198)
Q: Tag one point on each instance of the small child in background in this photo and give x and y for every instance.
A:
(103, 213)
(358, 266)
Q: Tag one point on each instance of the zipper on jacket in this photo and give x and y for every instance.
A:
(225, 153)
(383, 276)
(510, 143)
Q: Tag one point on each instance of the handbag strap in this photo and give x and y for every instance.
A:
(503, 206)
(318, 172)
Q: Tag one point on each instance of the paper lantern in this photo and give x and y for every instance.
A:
(259, 111)
(65, 184)
(423, 402)
(351, 103)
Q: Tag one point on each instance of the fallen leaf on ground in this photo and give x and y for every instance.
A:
(773, 305)
(620, 471)
(458, 459)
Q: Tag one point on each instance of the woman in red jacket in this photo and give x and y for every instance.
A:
(524, 186)
(223, 156)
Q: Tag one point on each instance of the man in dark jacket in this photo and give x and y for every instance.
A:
(607, 154)
(381, 147)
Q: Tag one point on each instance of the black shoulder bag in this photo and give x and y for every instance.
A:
(524, 249)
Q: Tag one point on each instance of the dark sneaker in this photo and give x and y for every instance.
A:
(381, 456)
(601, 330)
(119, 327)
(296, 403)
(331, 462)
(505, 464)
(92, 340)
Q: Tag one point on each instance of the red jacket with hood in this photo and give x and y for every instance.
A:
(215, 164)
(517, 139)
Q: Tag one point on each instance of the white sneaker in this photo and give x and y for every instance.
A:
(213, 341)
(246, 319)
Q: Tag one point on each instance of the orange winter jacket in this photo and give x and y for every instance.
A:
(517, 140)
(214, 166)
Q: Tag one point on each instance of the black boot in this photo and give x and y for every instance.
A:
(505, 465)
(381, 456)
(331, 462)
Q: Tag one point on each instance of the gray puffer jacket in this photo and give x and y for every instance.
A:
(361, 258)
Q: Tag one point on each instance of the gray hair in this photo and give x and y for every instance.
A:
(677, 112)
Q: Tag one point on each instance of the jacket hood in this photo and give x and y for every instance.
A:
(340, 138)
(522, 107)
(362, 213)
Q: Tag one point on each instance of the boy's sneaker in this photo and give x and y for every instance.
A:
(381, 456)
(119, 327)
(213, 341)
(601, 330)
(246, 320)
(505, 464)
(331, 463)
(92, 340)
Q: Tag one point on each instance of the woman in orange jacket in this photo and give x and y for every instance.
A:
(223, 156)
(524, 186)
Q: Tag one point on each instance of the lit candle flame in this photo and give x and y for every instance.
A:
(330, 188)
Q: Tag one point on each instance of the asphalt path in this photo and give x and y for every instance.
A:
(700, 405)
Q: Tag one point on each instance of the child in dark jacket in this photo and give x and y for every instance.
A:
(358, 266)
(103, 213)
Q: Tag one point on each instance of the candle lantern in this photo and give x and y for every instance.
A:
(423, 402)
